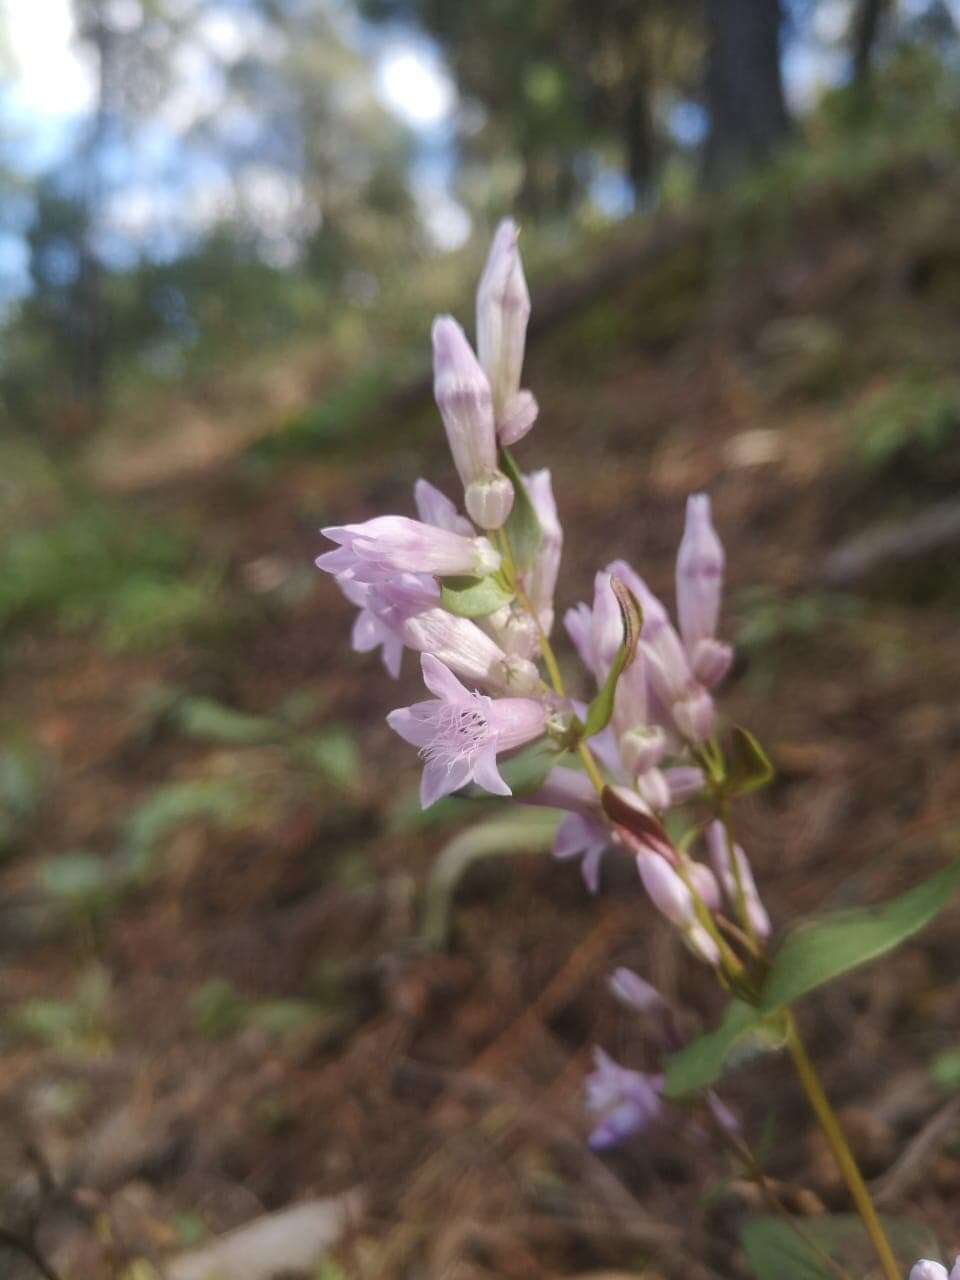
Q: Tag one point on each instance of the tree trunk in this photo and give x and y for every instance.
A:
(744, 86)
(865, 30)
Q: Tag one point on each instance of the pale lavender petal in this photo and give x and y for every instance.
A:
(518, 417)
(684, 781)
(441, 681)
(441, 780)
(627, 1101)
(606, 749)
(367, 632)
(564, 789)
(634, 992)
(579, 835)
(434, 507)
(411, 726)
(392, 653)
(487, 775)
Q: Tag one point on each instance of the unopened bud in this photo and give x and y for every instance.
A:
(694, 716)
(519, 676)
(711, 660)
(463, 396)
(702, 945)
(666, 890)
(503, 308)
(653, 788)
(519, 415)
(514, 630)
(642, 748)
(489, 500)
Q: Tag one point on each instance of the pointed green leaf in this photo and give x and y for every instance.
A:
(828, 1247)
(631, 616)
(821, 950)
(741, 1035)
(522, 527)
(474, 597)
(749, 767)
(519, 831)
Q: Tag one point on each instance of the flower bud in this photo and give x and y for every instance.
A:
(634, 992)
(694, 715)
(462, 393)
(666, 890)
(489, 500)
(702, 945)
(653, 789)
(514, 630)
(700, 563)
(705, 884)
(711, 660)
(519, 676)
(518, 417)
(503, 308)
(642, 748)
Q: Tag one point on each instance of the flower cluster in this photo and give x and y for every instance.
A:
(470, 587)
(474, 595)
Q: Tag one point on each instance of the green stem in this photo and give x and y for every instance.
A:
(841, 1151)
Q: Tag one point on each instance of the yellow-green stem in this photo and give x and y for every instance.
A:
(841, 1151)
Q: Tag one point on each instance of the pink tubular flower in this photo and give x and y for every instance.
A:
(503, 309)
(700, 564)
(463, 647)
(460, 734)
(462, 393)
(388, 545)
(719, 846)
(627, 1102)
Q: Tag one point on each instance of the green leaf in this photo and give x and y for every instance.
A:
(945, 1069)
(336, 753)
(749, 767)
(211, 721)
(742, 1034)
(524, 831)
(631, 617)
(821, 950)
(522, 527)
(474, 597)
(831, 1246)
